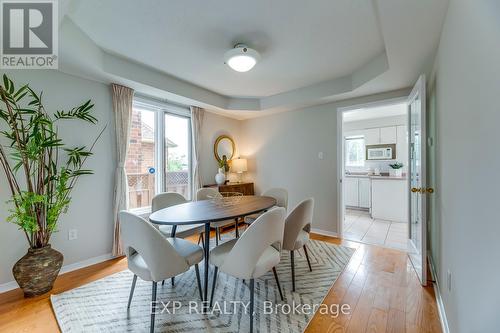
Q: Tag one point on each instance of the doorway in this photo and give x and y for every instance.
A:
(375, 166)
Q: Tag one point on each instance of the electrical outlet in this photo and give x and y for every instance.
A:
(72, 234)
(448, 281)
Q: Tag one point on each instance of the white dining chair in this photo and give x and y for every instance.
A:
(168, 199)
(255, 253)
(281, 197)
(152, 257)
(208, 193)
(297, 229)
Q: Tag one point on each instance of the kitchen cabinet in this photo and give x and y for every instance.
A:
(388, 135)
(389, 199)
(372, 136)
(380, 135)
(351, 192)
(402, 146)
(357, 192)
(364, 190)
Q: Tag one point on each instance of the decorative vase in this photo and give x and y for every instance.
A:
(395, 172)
(220, 177)
(37, 270)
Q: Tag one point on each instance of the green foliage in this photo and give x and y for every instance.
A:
(32, 157)
(396, 165)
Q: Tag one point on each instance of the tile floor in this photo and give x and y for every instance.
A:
(360, 227)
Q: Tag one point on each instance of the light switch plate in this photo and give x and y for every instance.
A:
(321, 155)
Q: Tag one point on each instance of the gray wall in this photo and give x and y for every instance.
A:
(213, 126)
(282, 151)
(467, 119)
(90, 211)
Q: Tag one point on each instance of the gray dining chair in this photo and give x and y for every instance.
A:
(208, 193)
(281, 197)
(255, 253)
(152, 257)
(297, 229)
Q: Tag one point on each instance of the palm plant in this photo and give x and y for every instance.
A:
(41, 170)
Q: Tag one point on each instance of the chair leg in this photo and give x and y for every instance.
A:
(213, 286)
(307, 257)
(153, 309)
(197, 270)
(278, 282)
(293, 269)
(163, 282)
(200, 239)
(172, 281)
(132, 291)
(252, 289)
(217, 231)
(237, 232)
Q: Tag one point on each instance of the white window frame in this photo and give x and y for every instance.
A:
(161, 109)
(353, 137)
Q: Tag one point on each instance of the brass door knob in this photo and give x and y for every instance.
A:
(430, 190)
(416, 190)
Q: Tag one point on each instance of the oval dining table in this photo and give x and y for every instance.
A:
(209, 211)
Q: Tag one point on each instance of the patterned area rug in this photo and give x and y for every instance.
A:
(101, 306)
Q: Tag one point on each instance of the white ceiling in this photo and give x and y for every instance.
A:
(393, 110)
(312, 52)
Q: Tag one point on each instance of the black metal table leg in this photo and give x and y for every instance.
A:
(172, 234)
(207, 254)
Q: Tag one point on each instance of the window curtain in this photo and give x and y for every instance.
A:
(122, 110)
(197, 115)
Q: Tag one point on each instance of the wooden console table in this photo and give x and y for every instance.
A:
(245, 188)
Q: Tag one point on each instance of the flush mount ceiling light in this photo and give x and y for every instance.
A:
(241, 58)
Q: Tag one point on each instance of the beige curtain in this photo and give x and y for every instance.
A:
(197, 115)
(122, 110)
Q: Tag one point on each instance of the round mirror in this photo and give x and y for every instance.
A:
(224, 145)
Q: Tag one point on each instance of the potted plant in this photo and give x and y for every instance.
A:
(396, 169)
(41, 172)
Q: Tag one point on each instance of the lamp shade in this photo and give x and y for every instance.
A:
(239, 165)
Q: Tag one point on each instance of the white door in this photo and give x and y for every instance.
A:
(417, 251)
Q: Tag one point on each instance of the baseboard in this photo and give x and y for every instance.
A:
(439, 300)
(324, 232)
(65, 269)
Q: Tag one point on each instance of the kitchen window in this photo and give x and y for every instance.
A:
(159, 154)
(355, 151)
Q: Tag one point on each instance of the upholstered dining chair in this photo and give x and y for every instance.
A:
(297, 229)
(281, 196)
(168, 199)
(208, 193)
(255, 253)
(152, 257)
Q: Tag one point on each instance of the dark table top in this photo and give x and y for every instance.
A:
(197, 212)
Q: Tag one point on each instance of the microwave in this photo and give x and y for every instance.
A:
(381, 152)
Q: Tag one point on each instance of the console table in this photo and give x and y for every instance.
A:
(245, 188)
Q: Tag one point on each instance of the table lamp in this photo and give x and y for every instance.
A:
(239, 166)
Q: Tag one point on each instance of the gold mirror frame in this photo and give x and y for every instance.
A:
(216, 144)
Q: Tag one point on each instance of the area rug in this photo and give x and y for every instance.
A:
(101, 306)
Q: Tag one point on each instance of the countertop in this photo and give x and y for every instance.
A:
(381, 177)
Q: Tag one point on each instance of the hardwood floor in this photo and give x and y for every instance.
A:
(379, 285)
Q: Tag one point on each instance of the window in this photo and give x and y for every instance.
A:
(159, 154)
(354, 151)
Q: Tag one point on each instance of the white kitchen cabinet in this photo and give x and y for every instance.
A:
(390, 199)
(364, 192)
(357, 192)
(380, 135)
(388, 135)
(351, 191)
(372, 136)
(402, 145)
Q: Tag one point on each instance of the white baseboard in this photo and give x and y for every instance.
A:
(65, 269)
(324, 232)
(439, 300)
